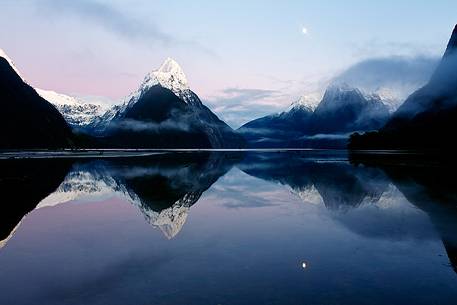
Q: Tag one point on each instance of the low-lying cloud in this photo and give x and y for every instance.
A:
(140, 126)
(394, 78)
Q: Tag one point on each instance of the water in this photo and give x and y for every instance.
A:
(227, 228)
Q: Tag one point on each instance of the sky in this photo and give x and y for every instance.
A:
(243, 58)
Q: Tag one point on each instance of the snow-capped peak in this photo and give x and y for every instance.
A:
(390, 97)
(307, 102)
(11, 63)
(170, 75)
(173, 68)
(76, 112)
(341, 92)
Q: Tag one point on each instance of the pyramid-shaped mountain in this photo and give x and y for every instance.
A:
(164, 113)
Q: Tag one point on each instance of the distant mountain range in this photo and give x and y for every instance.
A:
(425, 120)
(342, 110)
(428, 117)
(165, 113)
(78, 113)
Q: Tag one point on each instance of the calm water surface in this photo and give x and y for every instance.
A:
(227, 228)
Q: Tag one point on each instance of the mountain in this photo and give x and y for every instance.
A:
(315, 178)
(179, 180)
(11, 64)
(428, 117)
(24, 183)
(426, 181)
(393, 78)
(77, 113)
(164, 113)
(342, 110)
(27, 120)
(278, 129)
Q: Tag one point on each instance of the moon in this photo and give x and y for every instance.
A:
(304, 31)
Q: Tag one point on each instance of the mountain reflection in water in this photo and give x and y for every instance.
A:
(162, 187)
(391, 202)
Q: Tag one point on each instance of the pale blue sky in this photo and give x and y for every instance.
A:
(101, 47)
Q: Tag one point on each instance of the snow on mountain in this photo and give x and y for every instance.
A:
(76, 112)
(84, 185)
(170, 75)
(81, 185)
(58, 98)
(344, 93)
(308, 194)
(338, 91)
(306, 102)
(390, 97)
(10, 61)
(170, 220)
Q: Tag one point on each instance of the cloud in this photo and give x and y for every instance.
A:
(327, 136)
(117, 22)
(379, 48)
(139, 126)
(439, 93)
(388, 70)
(394, 76)
(246, 192)
(237, 106)
(108, 17)
(259, 131)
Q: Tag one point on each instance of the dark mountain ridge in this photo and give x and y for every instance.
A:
(427, 119)
(27, 120)
(163, 113)
(160, 119)
(342, 110)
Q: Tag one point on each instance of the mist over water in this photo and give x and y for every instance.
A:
(227, 228)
